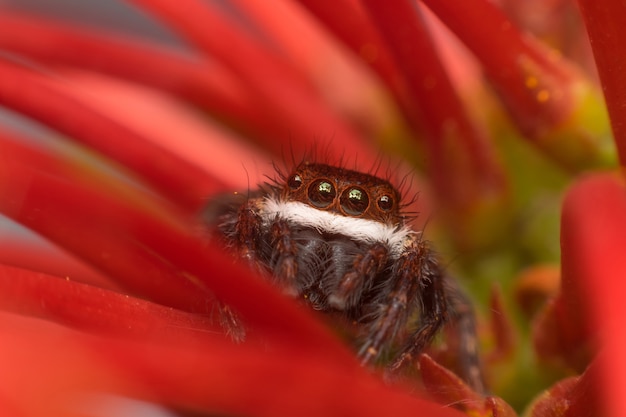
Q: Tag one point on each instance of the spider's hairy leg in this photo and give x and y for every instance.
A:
(443, 302)
(231, 323)
(247, 230)
(234, 219)
(463, 324)
(284, 258)
(413, 281)
(419, 265)
(434, 309)
(358, 279)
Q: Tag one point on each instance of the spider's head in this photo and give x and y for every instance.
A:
(342, 191)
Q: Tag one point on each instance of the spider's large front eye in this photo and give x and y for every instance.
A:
(322, 193)
(294, 182)
(354, 201)
(385, 202)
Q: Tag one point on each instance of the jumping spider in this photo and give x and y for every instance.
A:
(338, 239)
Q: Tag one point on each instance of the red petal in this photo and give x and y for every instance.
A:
(88, 219)
(502, 327)
(150, 248)
(546, 95)
(287, 98)
(449, 389)
(606, 25)
(49, 370)
(49, 103)
(593, 239)
(462, 162)
(572, 397)
(199, 81)
(96, 310)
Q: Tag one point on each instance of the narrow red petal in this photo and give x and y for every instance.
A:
(449, 389)
(446, 387)
(502, 327)
(88, 219)
(89, 373)
(28, 93)
(47, 370)
(606, 25)
(578, 396)
(151, 249)
(201, 82)
(586, 397)
(551, 101)
(283, 93)
(593, 239)
(97, 310)
(240, 381)
(464, 168)
(349, 22)
(40, 255)
(440, 110)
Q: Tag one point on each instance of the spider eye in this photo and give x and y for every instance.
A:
(294, 182)
(385, 203)
(354, 201)
(322, 193)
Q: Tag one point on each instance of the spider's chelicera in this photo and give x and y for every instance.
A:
(338, 240)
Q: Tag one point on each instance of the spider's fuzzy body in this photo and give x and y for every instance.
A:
(337, 239)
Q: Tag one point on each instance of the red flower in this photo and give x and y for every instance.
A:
(109, 302)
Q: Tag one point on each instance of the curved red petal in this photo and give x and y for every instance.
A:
(546, 95)
(606, 25)
(97, 310)
(242, 381)
(463, 164)
(26, 92)
(593, 239)
(283, 93)
(154, 250)
(198, 81)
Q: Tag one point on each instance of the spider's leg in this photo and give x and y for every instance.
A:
(231, 323)
(412, 277)
(443, 302)
(433, 303)
(234, 218)
(463, 323)
(284, 260)
(247, 231)
(358, 279)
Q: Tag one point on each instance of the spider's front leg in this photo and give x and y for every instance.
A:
(359, 277)
(416, 281)
(283, 260)
(434, 308)
(443, 302)
(463, 325)
(235, 219)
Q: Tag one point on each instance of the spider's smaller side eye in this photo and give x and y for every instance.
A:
(354, 201)
(385, 202)
(294, 182)
(322, 193)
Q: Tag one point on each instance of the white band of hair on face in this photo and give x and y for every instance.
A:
(362, 230)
